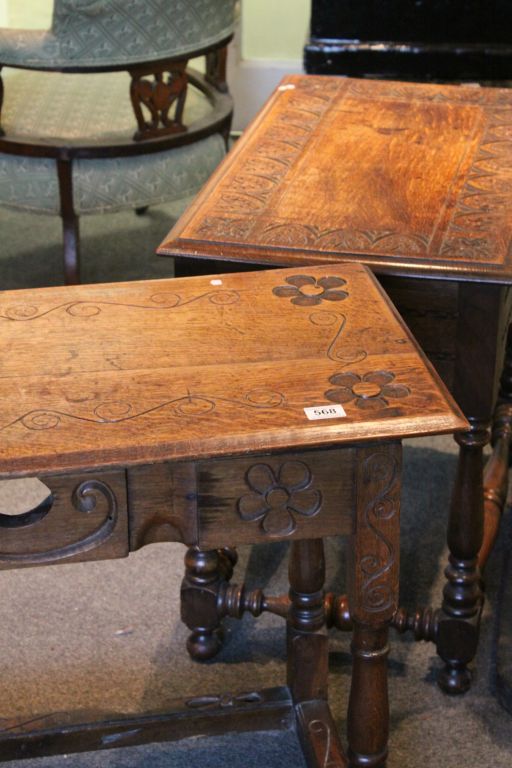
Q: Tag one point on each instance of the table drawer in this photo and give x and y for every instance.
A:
(85, 519)
(248, 500)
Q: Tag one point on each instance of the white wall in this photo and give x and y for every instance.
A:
(274, 29)
(268, 46)
(26, 14)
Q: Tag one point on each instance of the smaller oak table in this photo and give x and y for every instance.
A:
(414, 181)
(219, 411)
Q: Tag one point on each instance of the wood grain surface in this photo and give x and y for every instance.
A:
(409, 178)
(130, 373)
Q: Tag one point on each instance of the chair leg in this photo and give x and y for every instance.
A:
(70, 230)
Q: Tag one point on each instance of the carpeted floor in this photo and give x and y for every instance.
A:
(107, 635)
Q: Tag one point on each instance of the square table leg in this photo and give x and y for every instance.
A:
(374, 556)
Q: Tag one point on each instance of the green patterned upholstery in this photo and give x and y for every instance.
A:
(101, 185)
(94, 33)
(37, 104)
(73, 142)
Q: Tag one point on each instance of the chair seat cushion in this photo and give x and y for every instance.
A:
(30, 183)
(36, 109)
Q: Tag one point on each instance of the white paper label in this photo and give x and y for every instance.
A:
(324, 412)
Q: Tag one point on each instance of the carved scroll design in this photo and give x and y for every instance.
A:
(380, 474)
(307, 291)
(280, 147)
(276, 498)
(30, 517)
(320, 734)
(167, 89)
(224, 701)
(116, 411)
(482, 208)
(158, 302)
(292, 234)
(84, 500)
(336, 351)
(296, 235)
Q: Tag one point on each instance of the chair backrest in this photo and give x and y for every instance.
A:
(412, 39)
(93, 35)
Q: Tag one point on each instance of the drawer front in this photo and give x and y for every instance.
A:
(269, 498)
(222, 502)
(85, 519)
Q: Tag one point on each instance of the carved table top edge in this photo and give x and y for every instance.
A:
(83, 406)
(473, 244)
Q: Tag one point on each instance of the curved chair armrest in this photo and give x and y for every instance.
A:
(28, 48)
(100, 35)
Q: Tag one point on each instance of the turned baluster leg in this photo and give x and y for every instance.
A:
(481, 317)
(373, 599)
(205, 571)
(496, 469)
(307, 655)
(462, 598)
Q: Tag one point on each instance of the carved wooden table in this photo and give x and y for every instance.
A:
(415, 181)
(242, 409)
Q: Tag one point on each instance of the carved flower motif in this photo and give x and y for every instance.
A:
(308, 291)
(369, 391)
(275, 499)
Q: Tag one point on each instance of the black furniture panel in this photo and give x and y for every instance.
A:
(411, 39)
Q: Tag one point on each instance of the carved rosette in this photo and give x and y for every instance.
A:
(371, 391)
(277, 500)
(308, 291)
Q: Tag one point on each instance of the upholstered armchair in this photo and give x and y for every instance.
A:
(101, 112)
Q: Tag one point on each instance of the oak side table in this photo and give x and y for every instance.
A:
(215, 412)
(416, 182)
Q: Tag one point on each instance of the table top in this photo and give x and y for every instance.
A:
(128, 373)
(410, 178)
